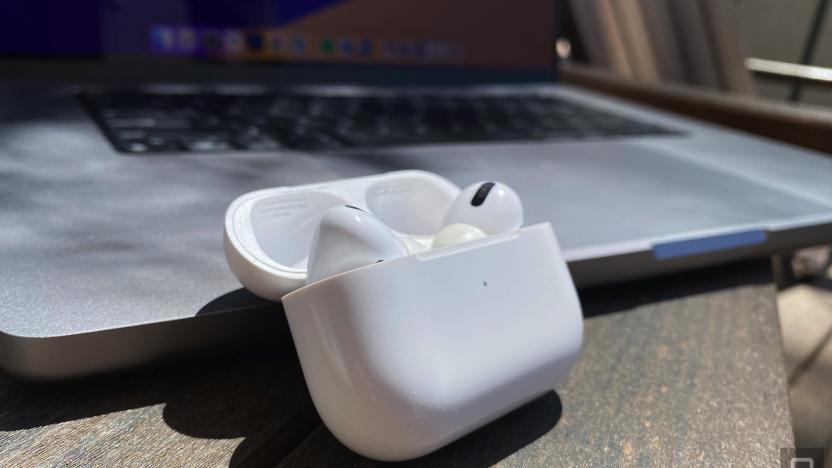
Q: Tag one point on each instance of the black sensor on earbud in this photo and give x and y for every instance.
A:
(482, 193)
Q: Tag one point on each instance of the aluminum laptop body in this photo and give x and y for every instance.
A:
(111, 259)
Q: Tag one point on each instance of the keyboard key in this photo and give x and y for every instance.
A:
(137, 147)
(162, 143)
(207, 143)
(148, 123)
(131, 134)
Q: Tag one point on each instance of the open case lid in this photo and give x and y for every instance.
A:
(268, 233)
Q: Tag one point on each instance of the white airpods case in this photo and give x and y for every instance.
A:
(404, 356)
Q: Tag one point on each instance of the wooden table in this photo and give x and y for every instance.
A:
(686, 369)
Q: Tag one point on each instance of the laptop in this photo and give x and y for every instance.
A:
(127, 128)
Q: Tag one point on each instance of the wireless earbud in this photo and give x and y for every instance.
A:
(347, 238)
(493, 207)
(457, 234)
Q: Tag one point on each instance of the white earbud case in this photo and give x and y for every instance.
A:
(404, 356)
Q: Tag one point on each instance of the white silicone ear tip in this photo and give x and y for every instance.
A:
(491, 206)
(457, 234)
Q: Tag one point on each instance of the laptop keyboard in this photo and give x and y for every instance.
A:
(154, 123)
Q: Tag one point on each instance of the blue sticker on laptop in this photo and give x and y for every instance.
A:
(702, 245)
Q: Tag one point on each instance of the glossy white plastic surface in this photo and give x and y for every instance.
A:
(348, 238)
(268, 233)
(403, 357)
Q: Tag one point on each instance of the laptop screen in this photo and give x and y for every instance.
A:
(457, 34)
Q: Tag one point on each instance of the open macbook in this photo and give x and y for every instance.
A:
(126, 130)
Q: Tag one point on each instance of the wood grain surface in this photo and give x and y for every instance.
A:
(684, 370)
